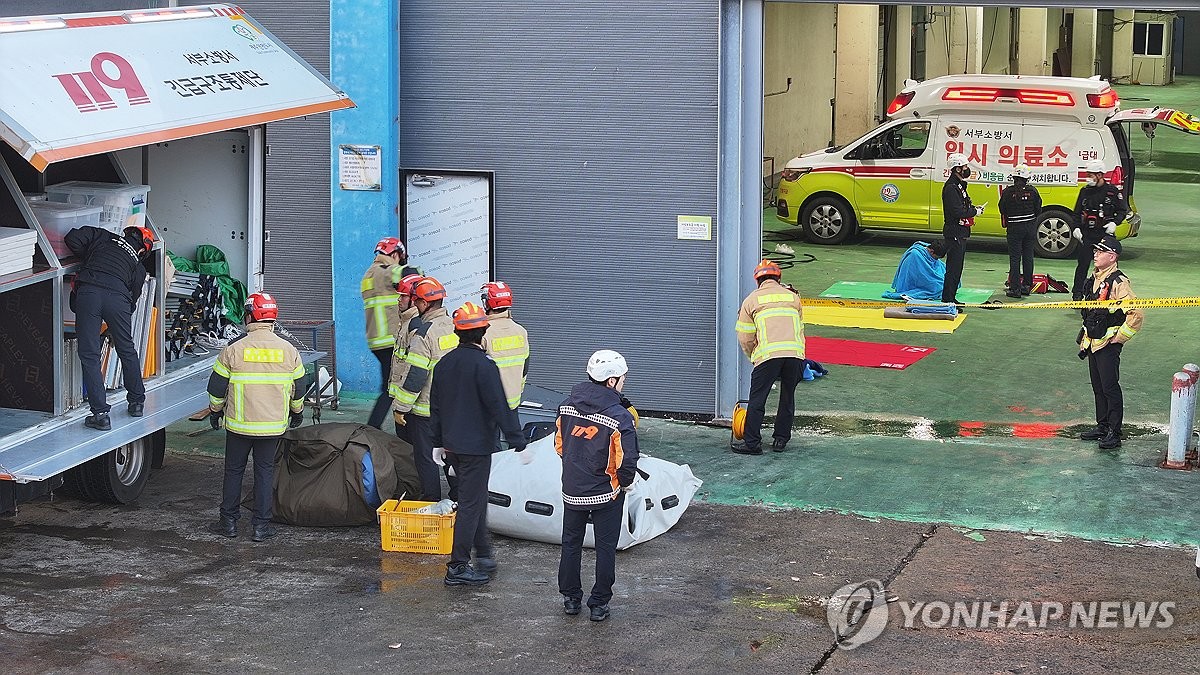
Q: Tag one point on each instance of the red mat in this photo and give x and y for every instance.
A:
(866, 354)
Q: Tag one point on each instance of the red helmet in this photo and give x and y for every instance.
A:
(142, 234)
(390, 245)
(429, 290)
(767, 268)
(405, 287)
(261, 307)
(469, 316)
(496, 295)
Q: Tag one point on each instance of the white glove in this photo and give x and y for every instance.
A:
(979, 210)
(525, 456)
(439, 456)
(1077, 233)
(1110, 228)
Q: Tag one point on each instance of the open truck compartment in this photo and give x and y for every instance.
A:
(153, 116)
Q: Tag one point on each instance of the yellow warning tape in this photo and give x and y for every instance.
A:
(1138, 303)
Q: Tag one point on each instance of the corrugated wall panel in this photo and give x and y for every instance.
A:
(297, 263)
(599, 120)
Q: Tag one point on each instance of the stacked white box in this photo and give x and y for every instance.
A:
(57, 219)
(124, 204)
(17, 245)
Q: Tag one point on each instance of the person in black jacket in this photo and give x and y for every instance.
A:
(960, 215)
(467, 411)
(1098, 210)
(1020, 206)
(596, 437)
(106, 289)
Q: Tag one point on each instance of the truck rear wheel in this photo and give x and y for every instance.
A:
(118, 476)
(1054, 238)
(827, 220)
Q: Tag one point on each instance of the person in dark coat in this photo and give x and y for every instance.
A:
(467, 412)
(960, 215)
(1098, 210)
(596, 437)
(106, 290)
(1020, 207)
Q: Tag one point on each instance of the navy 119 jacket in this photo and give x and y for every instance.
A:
(598, 444)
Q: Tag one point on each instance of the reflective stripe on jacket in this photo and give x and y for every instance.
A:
(1109, 284)
(428, 343)
(769, 324)
(379, 301)
(507, 342)
(409, 321)
(255, 381)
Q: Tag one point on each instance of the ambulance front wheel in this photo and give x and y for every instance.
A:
(1054, 238)
(827, 220)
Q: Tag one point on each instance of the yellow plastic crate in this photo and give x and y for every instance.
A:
(402, 530)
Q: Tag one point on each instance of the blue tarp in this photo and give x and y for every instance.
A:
(920, 275)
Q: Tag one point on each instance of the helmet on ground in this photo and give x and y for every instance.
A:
(496, 295)
(142, 236)
(956, 159)
(390, 245)
(767, 268)
(1094, 166)
(261, 307)
(469, 316)
(405, 287)
(606, 363)
(1022, 172)
(429, 290)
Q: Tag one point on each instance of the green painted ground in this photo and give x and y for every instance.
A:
(1003, 367)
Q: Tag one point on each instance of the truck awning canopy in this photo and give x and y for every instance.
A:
(82, 84)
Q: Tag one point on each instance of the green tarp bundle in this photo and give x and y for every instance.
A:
(211, 260)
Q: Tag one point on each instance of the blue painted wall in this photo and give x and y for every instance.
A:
(363, 63)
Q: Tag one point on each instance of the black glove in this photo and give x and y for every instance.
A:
(214, 418)
(296, 419)
(1083, 353)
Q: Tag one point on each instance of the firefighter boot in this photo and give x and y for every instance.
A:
(1094, 434)
(1111, 440)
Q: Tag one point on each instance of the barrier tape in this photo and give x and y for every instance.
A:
(1135, 303)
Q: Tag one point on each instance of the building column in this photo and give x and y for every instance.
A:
(1122, 46)
(1083, 43)
(973, 40)
(900, 50)
(364, 63)
(1031, 42)
(856, 73)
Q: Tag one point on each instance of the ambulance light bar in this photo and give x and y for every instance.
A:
(993, 94)
(168, 14)
(31, 24)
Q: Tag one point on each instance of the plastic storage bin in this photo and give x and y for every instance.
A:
(401, 530)
(57, 219)
(123, 205)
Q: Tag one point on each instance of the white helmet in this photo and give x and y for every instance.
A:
(956, 159)
(1095, 166)
(605, 364)
(1022, 172)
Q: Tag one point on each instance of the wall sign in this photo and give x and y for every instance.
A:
(694, 228)
(360, 167)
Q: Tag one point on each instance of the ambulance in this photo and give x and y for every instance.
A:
(891, 178)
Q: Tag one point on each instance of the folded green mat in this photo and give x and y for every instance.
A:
(869, 290)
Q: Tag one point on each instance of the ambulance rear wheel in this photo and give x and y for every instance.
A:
(1054, 238)
(827, 220)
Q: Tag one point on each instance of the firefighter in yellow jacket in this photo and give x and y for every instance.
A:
(506, 341)
(409, 320)
(255, 387)
(379, 303)
(432, 339)
(771, 333)
(1102, 338)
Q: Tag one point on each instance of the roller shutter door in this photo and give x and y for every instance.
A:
(599, 120)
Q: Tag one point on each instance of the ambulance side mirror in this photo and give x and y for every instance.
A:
(1148, 128)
